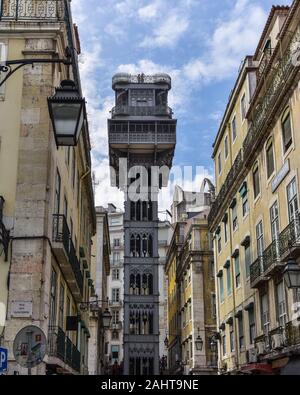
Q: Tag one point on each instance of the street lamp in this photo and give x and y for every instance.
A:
(199, 342)
(291, 274)
(67, 112)
(106, 318)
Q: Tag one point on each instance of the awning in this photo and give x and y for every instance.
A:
(257, 368)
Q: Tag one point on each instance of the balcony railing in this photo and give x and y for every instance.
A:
(264, 62)
(292, 333)
(60, 346)
(226, 187)
(282, 74)
(61, 234)
(141, 111)
(29, 10)
(275, 255)
(116, 326)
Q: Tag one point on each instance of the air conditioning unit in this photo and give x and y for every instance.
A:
(277, 341)
(260, 347)
(252, 355)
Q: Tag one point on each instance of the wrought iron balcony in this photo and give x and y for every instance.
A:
(264, 62)
(276, 254)
(60, 346)
(292, 333)
(65, 251)
(226, 187)
(32, 10)
(282, 75)
(124, 78)
(141, 111)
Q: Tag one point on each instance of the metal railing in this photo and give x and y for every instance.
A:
(61, 234)
(60, 346)
(226, 187)
(141, 78)
(28, 10)
(4, 233)
(141, 111)
(292, 333)
(273, 255)
(264, 62)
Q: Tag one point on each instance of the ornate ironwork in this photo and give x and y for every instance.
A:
(292, 333)
(264, 62)
(141, 111)
(226, 187)
(22, 10)
(141, 78)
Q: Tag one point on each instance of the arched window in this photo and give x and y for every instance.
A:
(256, 181)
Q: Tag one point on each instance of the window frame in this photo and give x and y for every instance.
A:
(270, 145)
(256, 192)
(286, 114)
(233, 122)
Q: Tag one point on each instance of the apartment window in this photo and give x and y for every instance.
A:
(115, 353)
(259, 239)
(233, 128)
(116, 294)
(234, 216)
(213, 305)
(281, 304)
(212, 269)
(237, 271)
(228, 278)
(256, 184)
(274, 218)
(53, 296)
(57, 192)
(116, 242)
(270, 159)
(243, 106)
(226, 150)
(231, 336)
(225, 231)
(115, 335)
(219, 241)
(3, 57)
(286, 131)
(115, 317)
(241, 330)
(115, 274)
(245, 205)
(252, 327)
(265, 320)
(221, 287)
(61, 306)
(116, 257)
(248, 259)
(219, 163)
(292, 200)
(224, 345)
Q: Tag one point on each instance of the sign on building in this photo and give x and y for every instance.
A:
(21, 309)
(3, 360)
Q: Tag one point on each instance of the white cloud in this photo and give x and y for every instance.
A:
(168, 33)
(149, 11)
(231, 40)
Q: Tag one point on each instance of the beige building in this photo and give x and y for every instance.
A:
(192, 335)
(49, 204)
(255, 217)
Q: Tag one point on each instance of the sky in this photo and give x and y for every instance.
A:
(200, 43)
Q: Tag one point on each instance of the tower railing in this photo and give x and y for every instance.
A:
(27, 10)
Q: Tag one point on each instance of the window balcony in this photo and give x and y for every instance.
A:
(265, 60)
(115, 303)
(32, 10)
(64, 250)
(60, 346)
(276, 254)
(117, 326)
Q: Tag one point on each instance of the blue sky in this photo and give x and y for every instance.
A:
(200, 43)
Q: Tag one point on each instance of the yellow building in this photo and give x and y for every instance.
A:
(192, 343)
(255, 218)
(49, 204)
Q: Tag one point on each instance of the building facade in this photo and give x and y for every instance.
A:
(100, 271)
(47, 202)
(142, 137)
(255, 216)
(115, 291)
(192, 335)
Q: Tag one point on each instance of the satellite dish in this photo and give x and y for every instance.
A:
(29, 346)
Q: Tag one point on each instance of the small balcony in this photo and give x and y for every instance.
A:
(64, 250)
(265, 60)
(32, 10)
(141, 111)
(276, 254)
(61, 347)
(115, 303)
(117, 326)
(292, 333)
